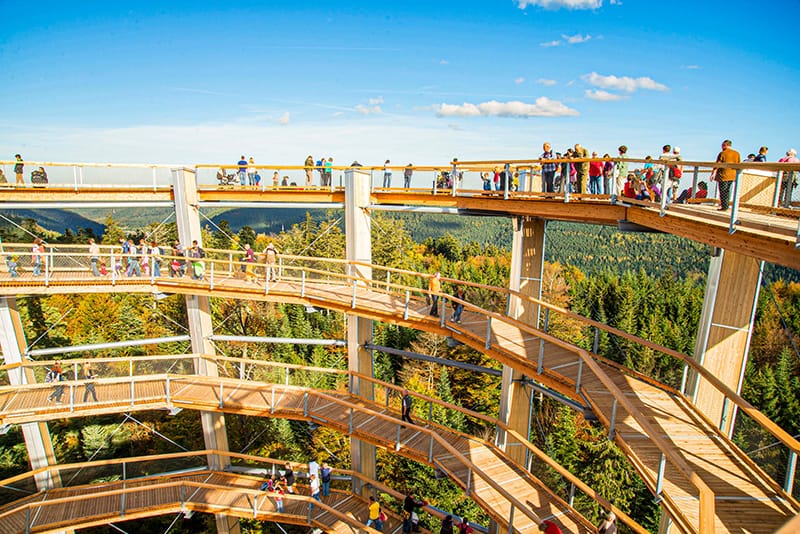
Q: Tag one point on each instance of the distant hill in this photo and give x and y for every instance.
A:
(56, 220)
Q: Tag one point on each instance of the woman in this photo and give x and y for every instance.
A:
(447, 525)
(37, 252)
(309, 168)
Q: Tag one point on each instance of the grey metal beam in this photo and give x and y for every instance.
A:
(298, 205)
(287, 340)
(104, 346)
(434, 359)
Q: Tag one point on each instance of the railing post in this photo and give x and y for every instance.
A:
(572, 494)
(302, 284)
(430, 449)
(507, 170)
(724, 417)
(133, 393)
(75, 177)
(776, 197)
(167, 392)
(397, 442)
(286, 378)
(305, 404)
(735, 203)
(435, 183)
(241, 370)
(662, 464)
(442, 310)
(221, 398)
(350, 423)
(469, 482)
(511, 520)
(211, 279)
(353, 303)
(596, 343)
(272, 402)
(684, 378)
(405, 309)
(27, 520)
(152, 270)
(611, 427)
(72, 398)
(695, 179)
(48, 265)
(280, 267)
(663, 203)
(578, 378)
(255, 506)
(155, 180)
(488, 333)
(388, 280)
(791, 468)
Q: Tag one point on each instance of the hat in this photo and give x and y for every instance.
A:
(676, 150)
(791, 152)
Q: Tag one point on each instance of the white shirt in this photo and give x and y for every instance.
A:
(314, 486)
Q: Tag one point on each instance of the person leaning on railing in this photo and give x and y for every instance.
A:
(726, 177)
(94, 256)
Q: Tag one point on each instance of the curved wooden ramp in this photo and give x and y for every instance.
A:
(508, 493)
(704, 481)
(213, 492)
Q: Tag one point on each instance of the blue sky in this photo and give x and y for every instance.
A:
(413, 81)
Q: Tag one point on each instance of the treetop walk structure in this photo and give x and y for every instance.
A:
(676, 435)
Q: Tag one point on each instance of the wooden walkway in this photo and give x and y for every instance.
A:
(653, 424)
(490, 478)
(213, 492)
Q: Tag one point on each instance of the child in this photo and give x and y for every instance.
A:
(103, 269)
(12, 266)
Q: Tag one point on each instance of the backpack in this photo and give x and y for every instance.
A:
(50, 376)
(677, 172)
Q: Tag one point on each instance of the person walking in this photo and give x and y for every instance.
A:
(434, 288)
(407, 173)
(309, 168)
(374, 519)
(458, 307)
(387, 175)
(725, 177)
(405, 407)
(89, 375)
(270, 258)
(37, 253)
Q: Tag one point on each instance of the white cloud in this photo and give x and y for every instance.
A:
(443, 62)
(549, 44)
(558, 4)
(546, 81)
(575, 39)
(368, 110)
(542, 107)
(519, 80)
(693, 67)
(284, 119)
(603, 96)
(376, 101)
(616, 2)
(623, 83)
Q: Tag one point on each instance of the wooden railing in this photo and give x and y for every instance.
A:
(141, 369)
(306, 271)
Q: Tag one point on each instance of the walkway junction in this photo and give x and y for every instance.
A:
(677, 436)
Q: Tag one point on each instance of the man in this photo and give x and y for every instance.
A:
(726, 177)
(325, 477)
(94, 256)
(670, 186)
(789, 181)
(328, 172)
(242, 170)
(407, 173)
(620, 173)
(321, 170)
(288, 475)
(582, 169)
(405, 407)
(89, 388)
(270, 256)
(761, 157)
(595, 175)
(18, 169)
(548, 169)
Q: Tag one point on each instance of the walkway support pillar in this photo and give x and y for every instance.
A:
(527, 267)
(724, 332)
(359, 330)
(37, 435)
(198, 312)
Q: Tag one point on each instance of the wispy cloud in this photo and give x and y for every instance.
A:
(575, 39)
(623, 83)
(567, 39)
(546, 81)
(443, 62)
(376, 101)
(519, 80)
(603, 96)
(558, 4)
(693, 67)
(368, 110)
(284, 119)
(542, 107)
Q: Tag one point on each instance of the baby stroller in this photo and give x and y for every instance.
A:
(227, 179)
